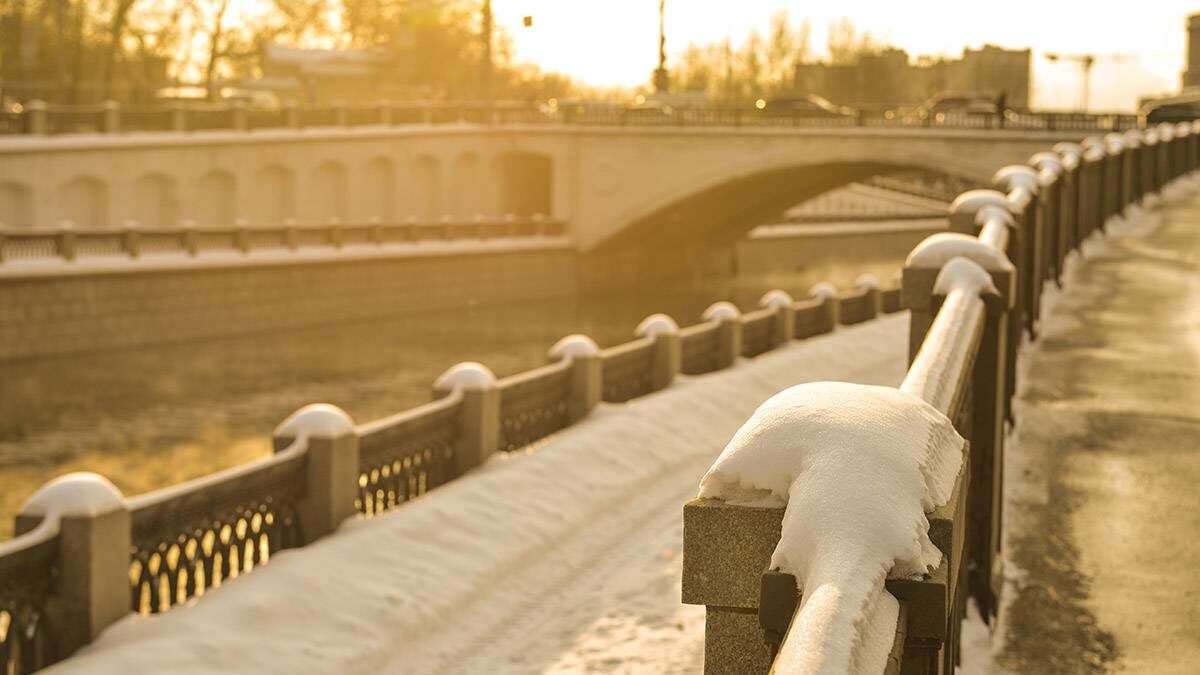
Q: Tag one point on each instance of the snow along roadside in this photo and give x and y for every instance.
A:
(432, 585)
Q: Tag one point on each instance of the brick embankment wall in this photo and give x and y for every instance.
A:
(53, 315)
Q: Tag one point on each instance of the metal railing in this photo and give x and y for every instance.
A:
(172, 545)
(971, 292)
(40, 118)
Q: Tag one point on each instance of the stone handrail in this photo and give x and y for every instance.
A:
(133, 243)
(169, 546)
(971, 292)
(111, 117)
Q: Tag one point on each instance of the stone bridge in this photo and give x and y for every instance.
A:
(657, 186)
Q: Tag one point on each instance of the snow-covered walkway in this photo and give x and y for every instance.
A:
(565, 558)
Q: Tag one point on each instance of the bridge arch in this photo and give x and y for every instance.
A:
(83, 200)
(216, 198)
(716, 202)
(274, 194)
(328, 195)
(155, 200)
(425, 188)
(467, 186)
(526, 183)
(379, 189)
(16, 205)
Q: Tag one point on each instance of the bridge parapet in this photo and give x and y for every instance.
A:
(969, 292)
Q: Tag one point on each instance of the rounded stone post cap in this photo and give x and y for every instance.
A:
(823, 289)
(973, 200)
(1066, 148)
(1114, 143)
(574, 345)
(722, 310)
(775, 298)
(78, 494)
(866, 280)
(1047, 161)
(656, 324)
(323, 420)
(1016, 176)
(465, 375)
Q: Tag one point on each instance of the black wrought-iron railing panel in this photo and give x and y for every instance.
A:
(404, 456)
(756, 332)
(27, 573)
(533, 405)
(628, 370)
(197, 535)
(699, 346)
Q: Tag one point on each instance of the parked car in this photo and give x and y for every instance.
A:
(1181, 108)
(806, 105)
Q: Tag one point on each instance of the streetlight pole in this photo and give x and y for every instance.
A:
(660, 74)
(486, 67)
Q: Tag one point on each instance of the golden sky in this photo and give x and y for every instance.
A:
(615, 42)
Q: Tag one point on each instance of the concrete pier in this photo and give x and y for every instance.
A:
(1103, 502)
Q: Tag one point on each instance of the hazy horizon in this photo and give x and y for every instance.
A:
(1150, 44)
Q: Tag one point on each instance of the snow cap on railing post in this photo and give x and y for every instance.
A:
(587, 374)
(925, 263)
(968, 209)
(784, 325)
(91, 587)
(479, 433)
(856, 468)
(668, 353)
(828, 294)
(326, 434)
(726, 314)
(111, 117)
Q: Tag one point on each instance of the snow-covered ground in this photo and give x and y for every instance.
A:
(565, 558)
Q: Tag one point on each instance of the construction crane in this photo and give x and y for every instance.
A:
(1085, 61)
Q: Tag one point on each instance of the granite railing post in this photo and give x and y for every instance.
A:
(241, 235)
(729, 332)
(239, 117)
(1021, 184)
(479, 419)
(668, 355)
(1093, 191)
(131, 240)
(331, 474)
(830, 308)
(1131, 174)
(783, 327)
(65, 240)
(111, 117)
(1149, 164)
(1071, 156)
(1051, 187)
(178, 113)
(91, 588)
(587, 374)
(2, 236)
(38, 117)
(291, 115)
(187, 237)
(1166, 137)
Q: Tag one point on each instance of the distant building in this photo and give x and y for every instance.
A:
(888, 79)
(1191, 76)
